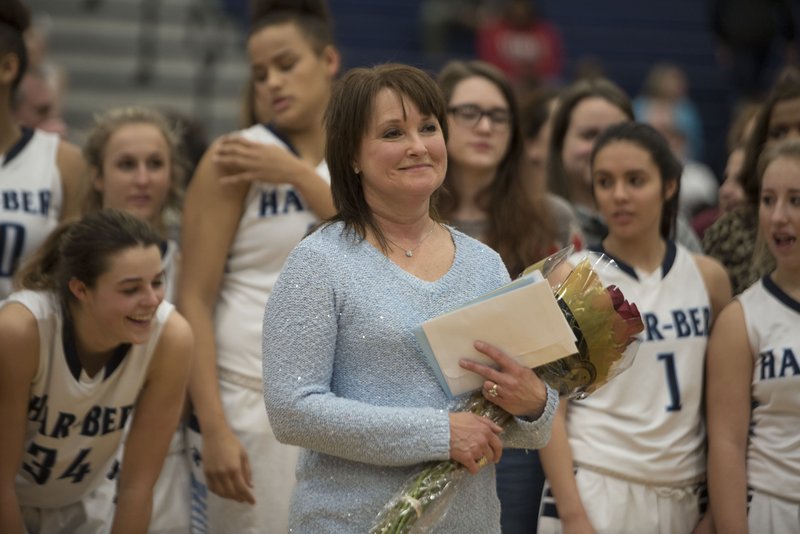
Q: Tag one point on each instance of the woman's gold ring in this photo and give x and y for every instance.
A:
(493, 391)
(482, 461)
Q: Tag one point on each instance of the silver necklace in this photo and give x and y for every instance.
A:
(409, 252)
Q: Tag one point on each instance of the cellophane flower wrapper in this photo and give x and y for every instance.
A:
(605, 326)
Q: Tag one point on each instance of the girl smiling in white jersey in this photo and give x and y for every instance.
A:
(86, 342)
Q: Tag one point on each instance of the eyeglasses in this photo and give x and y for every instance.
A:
(470, 115)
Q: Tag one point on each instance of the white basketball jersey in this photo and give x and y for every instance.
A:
(646, 424)
(773, 329)
(30, 200)
(75, 422)
(274, 220)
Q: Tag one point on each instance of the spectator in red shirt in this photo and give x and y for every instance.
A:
(525, 47)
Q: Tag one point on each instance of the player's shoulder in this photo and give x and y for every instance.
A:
(716, 280)
(19, 330)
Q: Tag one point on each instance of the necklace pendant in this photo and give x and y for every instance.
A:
(409, 253)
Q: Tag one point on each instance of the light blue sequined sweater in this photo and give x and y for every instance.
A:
(345, 379)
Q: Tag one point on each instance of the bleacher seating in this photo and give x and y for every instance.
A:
(99, 48)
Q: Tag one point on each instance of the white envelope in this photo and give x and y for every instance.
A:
(525, 322)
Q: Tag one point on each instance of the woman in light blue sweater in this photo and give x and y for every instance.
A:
(343, 375)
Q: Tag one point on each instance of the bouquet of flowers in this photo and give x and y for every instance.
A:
(605, 327)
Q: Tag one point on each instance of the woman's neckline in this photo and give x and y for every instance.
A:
(375, 250)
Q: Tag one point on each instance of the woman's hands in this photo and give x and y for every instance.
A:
(227, 467)
(474, 441)
(511, 386)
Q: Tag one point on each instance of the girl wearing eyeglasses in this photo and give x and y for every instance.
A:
(491, 199)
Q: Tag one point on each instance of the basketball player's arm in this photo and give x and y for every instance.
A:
(155, 419)
(729, 372)
(251, 161)
(19, 357)
(211, 217)
(717, 282)
(315, 191)
(718, 286)
(558, 467)
(74, 179)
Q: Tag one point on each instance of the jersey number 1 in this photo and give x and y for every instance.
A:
(672, 381)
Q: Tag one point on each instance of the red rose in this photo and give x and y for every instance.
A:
(628, 322)
(617, 298)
